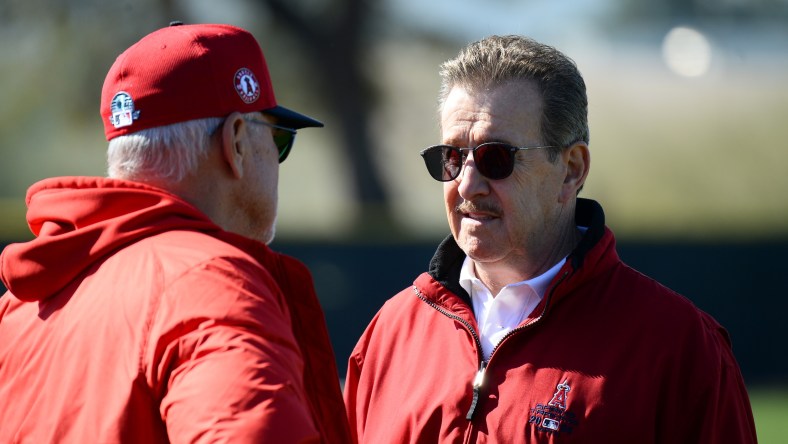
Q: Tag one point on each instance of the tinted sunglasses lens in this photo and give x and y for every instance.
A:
(443, 162)
(494, 160)
(284, 142)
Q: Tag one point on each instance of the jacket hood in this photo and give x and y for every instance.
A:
(79, 220)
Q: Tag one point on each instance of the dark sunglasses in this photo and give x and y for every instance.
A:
(495, 160)
(283, 137)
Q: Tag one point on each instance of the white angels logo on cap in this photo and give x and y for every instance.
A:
(246, 85)
(122, 111)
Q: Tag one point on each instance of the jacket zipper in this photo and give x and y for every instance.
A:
(478, 380)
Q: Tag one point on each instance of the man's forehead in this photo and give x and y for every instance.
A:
(507, 112)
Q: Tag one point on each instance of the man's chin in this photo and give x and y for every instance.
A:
(265, 237)
(270, 237)
(477, 247)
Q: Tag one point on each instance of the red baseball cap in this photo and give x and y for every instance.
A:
(186, 72)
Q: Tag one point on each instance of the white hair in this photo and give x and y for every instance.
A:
(161, 154)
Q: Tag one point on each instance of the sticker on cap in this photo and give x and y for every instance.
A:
(246, 85)
(122, 111)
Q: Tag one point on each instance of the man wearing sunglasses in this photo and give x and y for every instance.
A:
(527, 327)
(149, 308)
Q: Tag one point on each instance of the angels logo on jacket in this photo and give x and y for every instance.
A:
(122, 111)
(553, 417)
(559, 399)
(246, 85)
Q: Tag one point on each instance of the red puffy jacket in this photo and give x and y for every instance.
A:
(131, 317)
(609, 356)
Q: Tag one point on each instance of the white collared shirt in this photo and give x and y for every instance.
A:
(498, 315)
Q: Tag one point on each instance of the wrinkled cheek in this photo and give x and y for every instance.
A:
(451, 200)
(455, 226)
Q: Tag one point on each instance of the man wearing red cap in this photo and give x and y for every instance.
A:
(149, 308)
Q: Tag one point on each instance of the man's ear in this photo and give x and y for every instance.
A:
(577, 159)
(233, 142)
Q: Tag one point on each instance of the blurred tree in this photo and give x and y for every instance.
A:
(335, 36)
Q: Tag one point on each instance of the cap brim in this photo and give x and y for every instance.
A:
(292, 119)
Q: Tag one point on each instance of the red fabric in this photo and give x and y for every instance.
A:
(131, 317)
(610, 356)
(187, 72)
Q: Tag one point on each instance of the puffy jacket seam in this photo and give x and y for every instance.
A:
(154, 312)
(150, 317)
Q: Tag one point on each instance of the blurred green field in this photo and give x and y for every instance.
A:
(770, 408)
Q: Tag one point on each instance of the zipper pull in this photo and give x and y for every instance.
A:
(478, 381)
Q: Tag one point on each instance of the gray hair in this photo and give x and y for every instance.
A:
(161, 154)
(496, 60)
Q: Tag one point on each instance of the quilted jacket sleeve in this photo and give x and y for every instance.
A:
(705, 398)
(224, 361)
